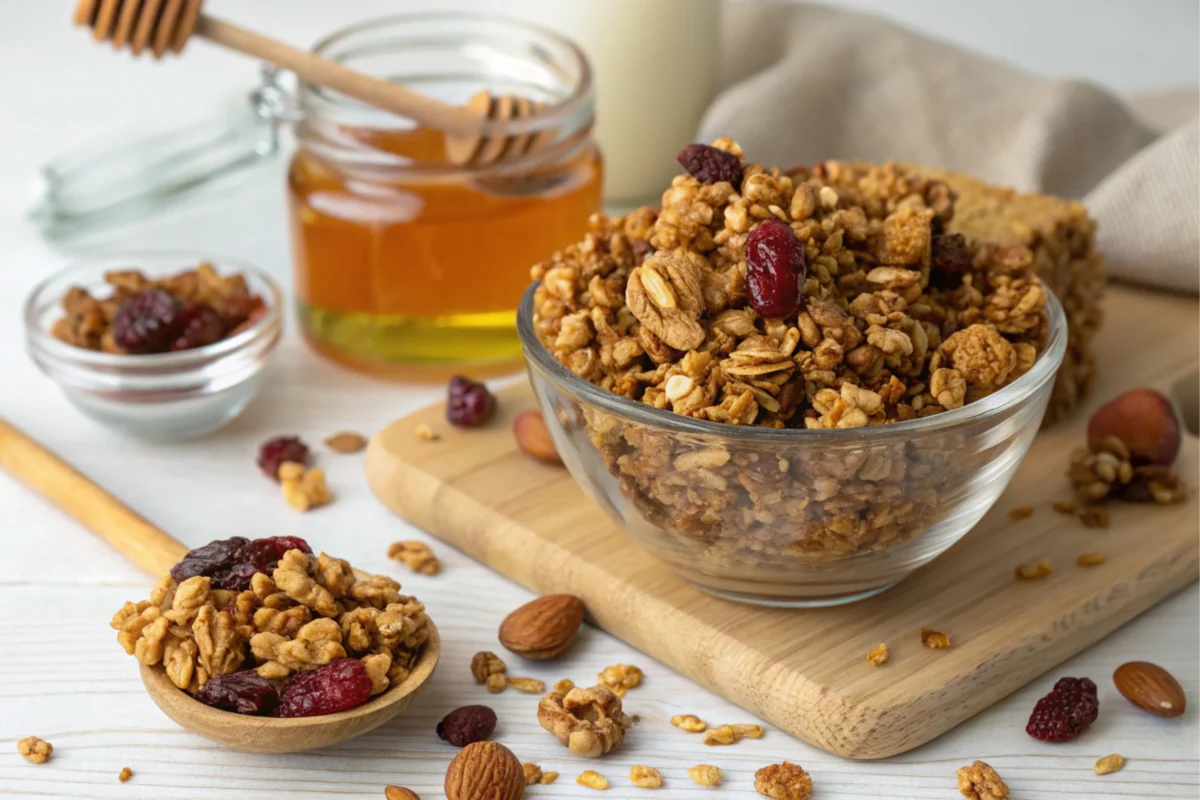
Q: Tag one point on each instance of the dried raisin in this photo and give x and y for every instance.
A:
(215, 557)
(264, 554)
(274, 452)
(243, 692)
(467, 725)
(340, 685)
(709, 164)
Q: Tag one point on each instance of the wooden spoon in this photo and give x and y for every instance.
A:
(157, 26)
(156, 552)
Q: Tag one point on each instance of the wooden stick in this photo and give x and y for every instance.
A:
(101, 513)
(314, 69)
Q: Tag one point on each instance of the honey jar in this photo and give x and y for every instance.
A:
(408, 264)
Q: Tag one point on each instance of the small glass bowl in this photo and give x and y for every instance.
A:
(159, 396)
(791, 517)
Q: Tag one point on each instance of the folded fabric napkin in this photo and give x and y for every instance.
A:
(804, 83)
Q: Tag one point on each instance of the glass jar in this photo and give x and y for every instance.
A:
(406, 263)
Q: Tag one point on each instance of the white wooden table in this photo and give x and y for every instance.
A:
(63, 677)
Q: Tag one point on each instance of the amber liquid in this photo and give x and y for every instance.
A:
(422, 277)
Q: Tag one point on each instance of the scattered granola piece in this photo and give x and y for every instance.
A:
(485, 664)
(878, 654)
(1065, 507)
(416, 556)
(980, 782)
(645, 777)
(533, 773)
(590, 722)
(400, 793)
(728, 734)
(689, 722)
(593, 780)
(783, 782)
(497, 683)
(1090, 559)
(346, 442)
(126, 774)
(425, 433)
(548, 778)
(1109, 764)
(303, 488)
(1020, 512)
(527, 685)
(564, 686)
(934, 640)
(1033, 570)
(1094, 517)
(620, 678)
(705, 775)
(34, 749)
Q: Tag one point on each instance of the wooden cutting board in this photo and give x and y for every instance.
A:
(806, 670)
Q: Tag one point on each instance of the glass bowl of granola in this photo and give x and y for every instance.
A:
(794, 447)
(160, 345)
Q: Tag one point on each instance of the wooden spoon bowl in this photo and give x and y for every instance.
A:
(275, 735)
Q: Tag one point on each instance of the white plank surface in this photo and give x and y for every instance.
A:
(63, 677)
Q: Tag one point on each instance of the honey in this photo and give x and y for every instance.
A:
(409, 271)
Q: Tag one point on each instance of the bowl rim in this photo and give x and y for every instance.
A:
(1043, 370)
(40, 339)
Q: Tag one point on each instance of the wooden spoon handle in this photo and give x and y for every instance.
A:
(101, 513)
(323, 72)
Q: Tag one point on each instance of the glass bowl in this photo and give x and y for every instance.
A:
(791, 517)
(160, 396)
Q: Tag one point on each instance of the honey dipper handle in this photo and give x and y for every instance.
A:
(324, 72)
(101, 513)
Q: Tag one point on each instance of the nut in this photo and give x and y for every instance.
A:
(620, 678)
(1033, 570)
(485, 771)
(783, 782)
(527, 685)
(346, 442)
(543, 628)
(35, 750)
(589, 722)
(593, 780)
(934, 640)
(645, 777)
(980, 782)
(1109, 764)
(484, 665)
(1150, 688)
(533, 437)
(1144, 420)
(416, 556)
(689, 722)
(400, 793)
(705, 775)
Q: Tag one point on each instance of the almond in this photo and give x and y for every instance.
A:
(533, 437)
(1150, 688)
(1144, 420)
(485, 771)
(542, 629)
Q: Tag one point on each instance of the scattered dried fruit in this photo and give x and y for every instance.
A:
(485, 771)
(1020, 512)
(593, 780)
(934, 640)
(196, 325)
(1109, 764)
(244, 692)
(878, 654)
(589, 722)
(232, 563)
(468, 404)
(346, 442)
(533, 437)
(1090, 559)
(1144, 420)
(1066, 712)
(645, 777)
(783, 782)
(527, 685)
(980, 782)
(425, 433)
(125, 774)
(709, 164)
(705, 775)
(620, 678)
(1150, 688)
(689, 722)
(146, 322)
(543, 628)
(35, 750)
(275, 452)
(416, 556)
(340, 685)
(776, 269)
(467, 725)
(1033, 570)
(728, 734)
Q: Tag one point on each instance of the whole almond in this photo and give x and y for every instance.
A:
(485, 771)
(533, 437)
(1150, 688)
(543, 629)
(400, 793)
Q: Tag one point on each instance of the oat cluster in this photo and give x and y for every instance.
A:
(308, 612)
(980, 782)
(1106, 471)
(589, 722)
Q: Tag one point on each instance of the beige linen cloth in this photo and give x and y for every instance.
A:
(804, 83)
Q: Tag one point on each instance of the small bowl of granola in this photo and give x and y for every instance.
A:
(795, 389)
(160, 345)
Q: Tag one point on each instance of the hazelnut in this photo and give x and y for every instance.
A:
(1144, 420)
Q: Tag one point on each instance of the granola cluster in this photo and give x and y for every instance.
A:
(302, 615)
(898, 320)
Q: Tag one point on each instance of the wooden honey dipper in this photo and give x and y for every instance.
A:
(159, 26)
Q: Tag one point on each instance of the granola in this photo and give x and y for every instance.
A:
(784, 781)
(879, 654)
(35, 750)
(705, 775)
(589, 722)
(899, 320)
(980, 782)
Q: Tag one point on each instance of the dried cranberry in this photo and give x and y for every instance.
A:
(950, 254)
(244, 692)
(468, 404)
(264, 554)
(197, 325)
(275, 451)
(467, 725)
(340, 685)
(709, 164)
(776, 269)
(1066, 712)
(213, 558)
(146, 322)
